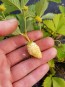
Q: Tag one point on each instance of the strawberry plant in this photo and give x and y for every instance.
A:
(33, 17)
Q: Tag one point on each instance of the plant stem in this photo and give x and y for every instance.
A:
(39, 25)
(24, 21)
(25, 24)
(3, 15)
(52, 70)
(26, 36)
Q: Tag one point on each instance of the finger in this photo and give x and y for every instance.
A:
(33, 77)
(5, 75)
(11, 44)
(8, 26)
(7, 83)
(22, 69)
(22, 53)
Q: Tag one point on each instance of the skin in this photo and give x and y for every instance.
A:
(17, 69)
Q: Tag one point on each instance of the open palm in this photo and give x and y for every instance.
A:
(17, 68)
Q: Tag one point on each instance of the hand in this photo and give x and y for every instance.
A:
(17, 69)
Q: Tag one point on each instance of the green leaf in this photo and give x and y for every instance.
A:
(36, 27)
(58, 82)
(57, 25)
(1, 18)
(41, 7)
(47, 82)
(21, 22)
(11, 5)
(62, 9)
(49, 24)
(16, 32)
(62, 30)
(30, 12)
(46, 33)
(51, 63)
(61, 52)
(57, 1)
(23, 3)
(56, 20)
(48, 16)
(53, 82)
(10, 17)
(30, 24)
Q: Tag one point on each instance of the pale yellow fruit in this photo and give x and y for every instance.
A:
(34, 49)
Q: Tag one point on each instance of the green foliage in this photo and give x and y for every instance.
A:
(11, 5)
(48, 16)
(1, 16)
(46, 34)
(47, 82)
(51, 63)
(62, 9)
(23, 3)
(41, 6)
(16, 32)
(57, 25)
(31, 11)
(53, 82)
(58, 82)
(61, 52)
(30, 24)
(20, 18)
(49, 24)
(10, 17)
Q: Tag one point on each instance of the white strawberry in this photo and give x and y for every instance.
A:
(34, 49)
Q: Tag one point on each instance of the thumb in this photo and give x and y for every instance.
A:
(8, 26)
